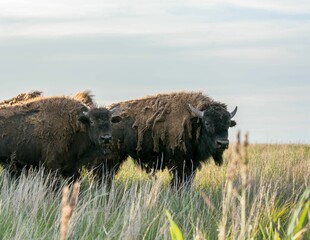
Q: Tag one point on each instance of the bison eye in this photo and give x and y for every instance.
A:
(208, 124)
(91, 122)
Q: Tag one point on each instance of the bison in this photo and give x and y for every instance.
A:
(60, 133)
(178, 130)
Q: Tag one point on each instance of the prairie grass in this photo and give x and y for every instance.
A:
(135, 206)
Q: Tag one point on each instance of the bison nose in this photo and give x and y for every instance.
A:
(105, 139)
(222, 144)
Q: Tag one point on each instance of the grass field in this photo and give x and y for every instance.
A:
(261, 192)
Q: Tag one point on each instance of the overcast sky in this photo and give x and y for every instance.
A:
(253, 54)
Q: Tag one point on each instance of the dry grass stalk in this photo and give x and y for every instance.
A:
(207, 200)
(198, 234)
(244, 172)
(240, 158)
(153, 195)
(68, 208)
(231, 172)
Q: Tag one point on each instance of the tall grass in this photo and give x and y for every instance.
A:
(134, 206)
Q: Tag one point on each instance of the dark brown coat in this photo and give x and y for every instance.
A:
(59, 133)
(177, 130)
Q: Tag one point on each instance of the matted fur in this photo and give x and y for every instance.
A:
(166, 115)
(26, 105)
(64, 123)
(52, 131)
(84, 97)
(22, 97)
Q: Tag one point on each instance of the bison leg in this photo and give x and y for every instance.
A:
(60, 165)
(105, 171)
(183, 174)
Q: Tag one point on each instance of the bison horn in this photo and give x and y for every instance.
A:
(197, 112)
(86, 113)
(233, 113)
(114, 109)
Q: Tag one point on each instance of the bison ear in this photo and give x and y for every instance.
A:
(84, 118)
(232, 123)
(116, 119)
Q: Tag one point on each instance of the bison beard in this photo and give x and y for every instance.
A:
(177, 130)
(218, 157)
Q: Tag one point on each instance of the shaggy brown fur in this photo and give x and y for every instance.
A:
(86, 98)
(46, 125)
(167, 115)
(48, 131)
(22, 97)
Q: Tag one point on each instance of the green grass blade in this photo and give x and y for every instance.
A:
(302, 219)
(175, 231)
(300, 214)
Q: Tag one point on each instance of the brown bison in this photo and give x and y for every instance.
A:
(177, 130)
(60, 133)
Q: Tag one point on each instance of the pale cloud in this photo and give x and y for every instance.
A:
(285, 6)
(68, 18)
(266, 54)
(45, 9)
(234, 32)
(280, 98)
(280, 6)
(74, 8)
(171, 33)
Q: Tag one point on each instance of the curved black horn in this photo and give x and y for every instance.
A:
(233, 113)
(197, 112)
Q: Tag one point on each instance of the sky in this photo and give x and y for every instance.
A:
(254, 54)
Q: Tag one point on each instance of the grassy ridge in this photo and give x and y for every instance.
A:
(134, 206)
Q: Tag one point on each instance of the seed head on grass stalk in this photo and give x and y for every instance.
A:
(244, 172)
(227, 194)
(240, 158)
(68, 208)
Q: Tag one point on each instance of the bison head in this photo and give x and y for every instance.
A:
(214, 130)
(99, 125)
